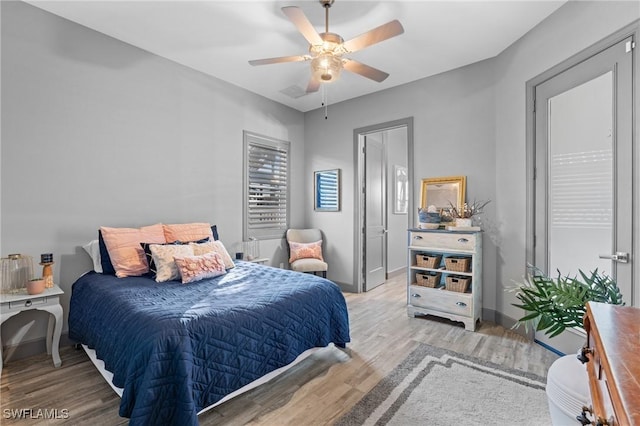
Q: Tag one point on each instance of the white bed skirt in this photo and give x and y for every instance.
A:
(108, 376)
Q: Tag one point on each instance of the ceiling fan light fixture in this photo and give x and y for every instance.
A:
(327, 50)
(326, 68)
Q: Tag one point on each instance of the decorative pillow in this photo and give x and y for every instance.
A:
(123, 245)
(196, 268)
(149, 256)
(188, 232)
(93, 250)
(305, 251)
(105, 259)
(163, 254)
(214, 247)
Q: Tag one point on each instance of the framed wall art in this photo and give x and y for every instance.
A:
(327, 190)
(400, 190)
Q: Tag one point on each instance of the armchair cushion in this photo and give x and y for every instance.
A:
(305, 251)
(309, 265)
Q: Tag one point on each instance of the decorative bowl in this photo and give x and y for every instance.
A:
(35, 286)
(429, 225)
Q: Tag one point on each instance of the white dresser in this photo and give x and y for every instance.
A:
(439, 263)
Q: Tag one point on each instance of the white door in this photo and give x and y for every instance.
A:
(583, 172)
(375, 217)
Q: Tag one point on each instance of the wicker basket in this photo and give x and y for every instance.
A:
(424, 260)
(428, 279)
(457, 264)
(457, 283)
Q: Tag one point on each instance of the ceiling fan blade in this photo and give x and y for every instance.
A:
(279, 60)
(365, 70)
(313, 86)
(376, 35)
(297, 16)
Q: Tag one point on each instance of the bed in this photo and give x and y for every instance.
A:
(175, 348)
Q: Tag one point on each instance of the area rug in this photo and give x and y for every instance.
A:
(434, 386)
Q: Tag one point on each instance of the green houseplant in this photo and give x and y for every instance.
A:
(552, 305)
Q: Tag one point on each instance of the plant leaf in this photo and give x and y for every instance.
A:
(552, 305)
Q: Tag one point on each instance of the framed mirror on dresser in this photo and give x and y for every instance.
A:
(442, 192)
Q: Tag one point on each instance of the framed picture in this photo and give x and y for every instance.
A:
(400, 190)
(442, 192)
(327, 190)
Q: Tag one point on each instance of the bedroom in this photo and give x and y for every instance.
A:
(126, 138)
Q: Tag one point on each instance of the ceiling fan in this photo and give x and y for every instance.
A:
(327, 50)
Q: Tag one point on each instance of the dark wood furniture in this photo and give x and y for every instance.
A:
(613, 348)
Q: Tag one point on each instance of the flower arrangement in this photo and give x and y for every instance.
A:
(468, 210)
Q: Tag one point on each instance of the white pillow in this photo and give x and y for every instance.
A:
(166, 268)
(93, 250)
(215, 247)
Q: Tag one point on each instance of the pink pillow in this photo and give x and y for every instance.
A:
(123, 245)
(196, 268)
(305, 251)
(186, 232)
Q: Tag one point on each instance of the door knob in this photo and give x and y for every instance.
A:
(618, 257)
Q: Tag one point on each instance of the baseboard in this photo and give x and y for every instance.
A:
(346, 288)
(510, 323)
(396, 272)
(488, 315)
(31, 348)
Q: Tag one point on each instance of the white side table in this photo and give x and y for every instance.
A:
(48, 300)
(260, 260)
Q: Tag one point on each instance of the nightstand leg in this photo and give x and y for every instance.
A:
(55, 326)
(50, 325)
(3, 318)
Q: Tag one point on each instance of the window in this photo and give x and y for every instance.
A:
(266, 187)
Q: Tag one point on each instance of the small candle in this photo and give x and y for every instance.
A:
(46, 258)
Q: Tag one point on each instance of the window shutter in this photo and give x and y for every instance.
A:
(266, 187)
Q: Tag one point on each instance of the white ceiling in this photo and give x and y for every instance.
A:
(219, 37)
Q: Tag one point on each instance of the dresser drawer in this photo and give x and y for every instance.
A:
(22, 304)
(442, 300)
(445, 241)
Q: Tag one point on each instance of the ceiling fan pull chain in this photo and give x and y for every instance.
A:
(325, 104)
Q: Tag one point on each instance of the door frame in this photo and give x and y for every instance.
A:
(358, 219)
(631, 30)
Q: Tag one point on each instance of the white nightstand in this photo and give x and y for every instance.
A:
(48, 300)
(260, 260)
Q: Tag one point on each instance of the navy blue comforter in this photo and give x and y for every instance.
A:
(177, 348)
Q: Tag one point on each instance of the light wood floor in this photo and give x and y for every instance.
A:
(317, 391)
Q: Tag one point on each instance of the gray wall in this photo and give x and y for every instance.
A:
(97, 132)
(469, 121)
(574, 27)
(454, 129)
